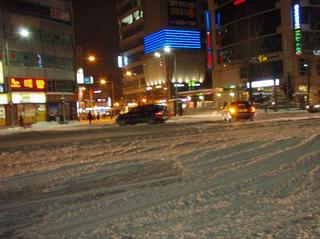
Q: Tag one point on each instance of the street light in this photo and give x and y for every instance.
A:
(92, 58)
(104, 82)
(129, 74)
(168, 50)
(24, 33)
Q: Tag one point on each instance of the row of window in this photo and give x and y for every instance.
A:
(31, 9)
(61, 86)
(260, 25)
(305, 67)
(40, 35)
(130, 5)
(131, 31)
(311, 15)
(28, 59)
(131, 18)
(255, 47)
(229, 12)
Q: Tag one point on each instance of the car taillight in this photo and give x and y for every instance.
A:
(158, 113)
(252, 109)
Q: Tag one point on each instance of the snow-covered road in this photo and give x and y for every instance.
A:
(178, 180)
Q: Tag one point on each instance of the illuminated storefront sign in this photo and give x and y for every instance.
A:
(316, 52)
(27, 84)
(297, 27)
(88, 80)
(3, 99)
(238, 2)
(28, 97)
(174, 38)
(263, 83)
(80, 76)
(1, 73)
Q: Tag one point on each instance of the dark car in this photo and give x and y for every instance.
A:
(313, 107)
(151, 114)
(239, 110)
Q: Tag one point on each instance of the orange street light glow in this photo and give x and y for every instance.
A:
(91, 58)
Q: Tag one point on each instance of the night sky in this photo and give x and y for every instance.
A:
(96, 31)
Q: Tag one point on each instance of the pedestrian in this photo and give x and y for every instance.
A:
(98, 116)
(89, 117)
(21, 121)
(225, 104)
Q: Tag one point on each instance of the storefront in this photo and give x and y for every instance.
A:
(62, 106)
(31, 105)
(3, 103)
(28, 100)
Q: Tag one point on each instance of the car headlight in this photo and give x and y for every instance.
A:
(307, 106)
(317, 106)
(232, 110)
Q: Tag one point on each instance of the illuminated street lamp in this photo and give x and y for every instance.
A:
(92, 58)
(104, 82)
(168, 51)
(24, 32)
(129, 74)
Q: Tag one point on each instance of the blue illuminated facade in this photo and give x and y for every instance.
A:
(176, 39)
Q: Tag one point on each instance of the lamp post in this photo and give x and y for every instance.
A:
(167, 50)
(129, 74)
(24, 33)
(103, 82)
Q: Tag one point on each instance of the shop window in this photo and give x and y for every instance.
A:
(50, 84)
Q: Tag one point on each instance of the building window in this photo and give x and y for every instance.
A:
(303, 67)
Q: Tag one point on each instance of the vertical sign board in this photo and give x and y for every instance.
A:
(1, 73)
(182, 13)
(2, 116)
(297, 27)
(209, 42)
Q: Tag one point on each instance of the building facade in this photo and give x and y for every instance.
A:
(266, 51)
(38, 76)
(163, 52)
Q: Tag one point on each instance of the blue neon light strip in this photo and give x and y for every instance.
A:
(219, 19)
(207, 15)
(174, 38)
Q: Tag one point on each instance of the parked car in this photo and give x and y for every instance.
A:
(151, 114)
(313, 107)
(239, 110)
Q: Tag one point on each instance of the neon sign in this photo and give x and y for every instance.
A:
(238, 2)
(209, 45)
(27, 84)
(187, 39)
(297, 28)
(296, 8)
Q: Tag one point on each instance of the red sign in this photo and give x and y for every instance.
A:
(27, 84)
(237, 2)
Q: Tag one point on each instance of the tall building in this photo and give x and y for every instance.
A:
(163, 52)
(37, 78)
(266, 51)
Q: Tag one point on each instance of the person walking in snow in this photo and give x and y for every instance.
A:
(89, 117)
(21, 121)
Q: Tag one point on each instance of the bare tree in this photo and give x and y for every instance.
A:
(249, 47)
(310, 42)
